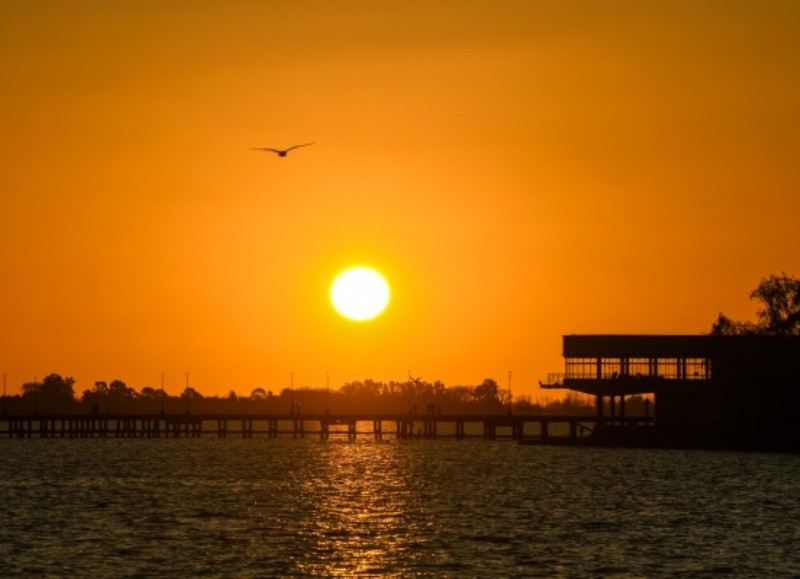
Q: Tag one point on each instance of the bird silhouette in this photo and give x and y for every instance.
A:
(280, 152)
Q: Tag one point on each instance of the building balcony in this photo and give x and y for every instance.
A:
(619, 384)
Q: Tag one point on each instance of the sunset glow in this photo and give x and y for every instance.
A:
(517, 170)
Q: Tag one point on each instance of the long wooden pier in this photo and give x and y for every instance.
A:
(552, 428)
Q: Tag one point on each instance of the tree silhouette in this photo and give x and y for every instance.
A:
(118, 389)
(52, 393)
(258, 394)
(779, 314)
(487, 391)
(53, 387)
(150, 393)
(100, 388)
(724, 326)
(780, 295)
(191, 393)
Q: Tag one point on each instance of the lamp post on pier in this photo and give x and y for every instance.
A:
(291, 393)
(509, 393)
(186, 393)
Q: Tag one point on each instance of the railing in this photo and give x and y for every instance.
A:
(554, 380)
(554, 428)
(578, 375)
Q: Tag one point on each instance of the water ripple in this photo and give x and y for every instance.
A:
(254, 508)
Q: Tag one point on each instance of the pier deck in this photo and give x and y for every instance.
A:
(324, 426)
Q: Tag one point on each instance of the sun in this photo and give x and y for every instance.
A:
(359, 293)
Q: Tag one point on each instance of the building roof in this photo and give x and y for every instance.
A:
(668, 345)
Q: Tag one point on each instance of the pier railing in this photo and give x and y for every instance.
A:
(554, 380)
(324, 426)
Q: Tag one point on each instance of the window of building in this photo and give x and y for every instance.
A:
(581, 368)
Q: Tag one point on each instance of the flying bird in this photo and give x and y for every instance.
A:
(280, 152)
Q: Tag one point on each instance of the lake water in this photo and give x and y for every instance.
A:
(288, 507)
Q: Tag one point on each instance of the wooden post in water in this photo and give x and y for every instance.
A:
(324, 428)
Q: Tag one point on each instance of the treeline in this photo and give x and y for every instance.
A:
(56, 395)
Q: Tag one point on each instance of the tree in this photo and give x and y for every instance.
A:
(780, 312)
(100, 388)
(98, 392)
(460, 394)
(780, 295)
(118, 389)
(258, 394)
(150, 393)
(53, 394)
(53, 387)
(487, 391)
(191, 394)
(724, 326)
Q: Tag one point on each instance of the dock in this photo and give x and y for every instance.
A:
(531, 428)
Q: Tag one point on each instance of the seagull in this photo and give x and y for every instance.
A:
(280, 152)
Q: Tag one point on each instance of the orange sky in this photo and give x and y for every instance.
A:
(518, 170)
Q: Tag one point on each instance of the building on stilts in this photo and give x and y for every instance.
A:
(705, 390)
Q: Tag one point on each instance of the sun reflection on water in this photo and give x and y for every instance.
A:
(358, 517)
(288, 507)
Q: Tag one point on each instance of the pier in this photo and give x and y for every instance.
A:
(543, 428)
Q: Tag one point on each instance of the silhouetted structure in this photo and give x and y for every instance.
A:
(550, 429)
(710, 391)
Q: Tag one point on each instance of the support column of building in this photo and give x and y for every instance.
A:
(612, 408)
(599, 407)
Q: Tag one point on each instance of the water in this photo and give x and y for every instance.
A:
(287, 507)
